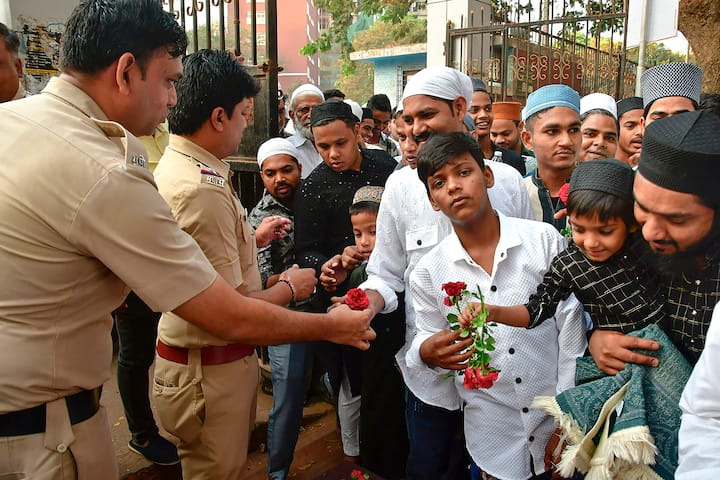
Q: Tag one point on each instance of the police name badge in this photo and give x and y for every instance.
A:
(138, 160)
(212, 177)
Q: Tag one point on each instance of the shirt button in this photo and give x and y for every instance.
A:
(195, 381)
(419, 242)
(525, 409)
(511, 351)
(694, 312)
(493, 288)
(61, 448)
(532, 438)
(518, 380)
(697, 282)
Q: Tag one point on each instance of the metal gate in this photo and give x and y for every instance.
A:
(522, 48)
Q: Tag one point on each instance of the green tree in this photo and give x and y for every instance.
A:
(343, 13)
(409, 30)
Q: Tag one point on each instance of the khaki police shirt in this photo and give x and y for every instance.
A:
(196, 185)
(81, 224)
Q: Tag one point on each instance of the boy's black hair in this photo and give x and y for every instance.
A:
(211, 79)
(364, 207)
(606, 207)
(98, 32)
(600, 111)
(440, 148)
(380, 102)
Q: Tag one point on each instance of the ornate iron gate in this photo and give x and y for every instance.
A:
(525, 49)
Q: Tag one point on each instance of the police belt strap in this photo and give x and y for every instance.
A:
(81, 406)
(210, 355)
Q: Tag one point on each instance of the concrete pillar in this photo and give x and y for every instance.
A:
(460, 14)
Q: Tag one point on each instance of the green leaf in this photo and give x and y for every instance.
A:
(452, 318)
(465, 333)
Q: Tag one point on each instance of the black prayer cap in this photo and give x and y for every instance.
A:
(627, 104)
(605, 175)
(478, 85)
(682, 153)
(330, 110)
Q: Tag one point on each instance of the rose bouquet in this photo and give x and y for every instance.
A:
(479, 373)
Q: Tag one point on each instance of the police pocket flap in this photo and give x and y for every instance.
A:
(425, 237)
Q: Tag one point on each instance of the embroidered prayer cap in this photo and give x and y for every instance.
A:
(627, 104)
(598, 101)
(276, 146)
(478, 85)
(440, 82)
(306, 89)
(507, 111)
(368, 193)
(366, 114)
(682, 153)
(356, 108)
(331, 110)
(551, 96)
(675, 79)
(605, 175)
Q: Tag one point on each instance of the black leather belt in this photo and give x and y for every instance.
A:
(81, 406)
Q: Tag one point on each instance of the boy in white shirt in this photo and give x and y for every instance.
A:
(505, 257)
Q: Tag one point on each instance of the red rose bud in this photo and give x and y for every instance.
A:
(564, 192)
(454, 289)
(448, 302)
(356, 299)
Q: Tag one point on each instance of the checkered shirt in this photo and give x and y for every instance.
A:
(619, 294)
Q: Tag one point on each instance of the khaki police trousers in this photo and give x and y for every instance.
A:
(211, 410)
(63, 452)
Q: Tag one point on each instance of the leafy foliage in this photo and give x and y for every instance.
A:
(359, 84)
(342, 13)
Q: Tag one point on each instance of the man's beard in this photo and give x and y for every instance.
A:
(692, 261)
(304, 131)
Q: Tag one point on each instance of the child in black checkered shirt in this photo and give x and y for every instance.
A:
(603, 265)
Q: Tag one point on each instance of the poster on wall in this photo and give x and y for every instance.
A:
(40, 24)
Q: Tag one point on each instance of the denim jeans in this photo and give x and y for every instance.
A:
(136, 326)
(435, 436)
(289, 363)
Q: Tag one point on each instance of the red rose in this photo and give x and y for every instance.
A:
(454, 289)
(356, 299)
(448, 302)
(474, 379)
(564, 192)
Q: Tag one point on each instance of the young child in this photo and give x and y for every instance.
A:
(380, 431)
(504, 257)
(602, 266)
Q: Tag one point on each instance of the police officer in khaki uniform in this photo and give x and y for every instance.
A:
(205, 387)
(81, 224)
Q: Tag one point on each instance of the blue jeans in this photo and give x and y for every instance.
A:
(434, 434)
(136, 326)
(289, 364)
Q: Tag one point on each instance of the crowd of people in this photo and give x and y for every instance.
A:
(589, 225)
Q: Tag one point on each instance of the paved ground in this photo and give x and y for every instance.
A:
(319, 448)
